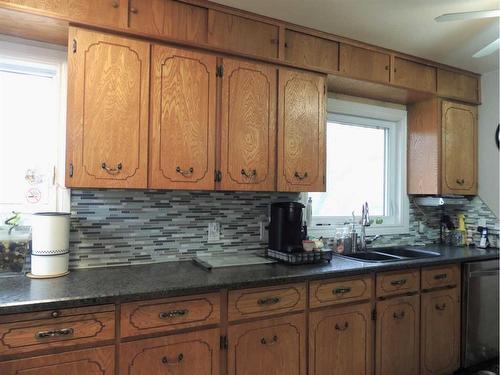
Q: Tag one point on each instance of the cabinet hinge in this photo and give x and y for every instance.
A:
(219, 71)
(374, 314)
(223, 342)
(74, 45)
(70, 169)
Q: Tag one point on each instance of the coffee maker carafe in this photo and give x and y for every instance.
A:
(286, 230)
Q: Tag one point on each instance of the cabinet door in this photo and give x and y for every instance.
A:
(458, 86)
(397, 332)
(363, 63)
(340, 341)
(182, 144)
(301, 131)
(248, 130)
(108, 91)
(98, 12)
(440, 346)
(414, 75)
(169, 18)
(100, 361)
(241, 34)
(195, 353)
(309, 50)
(268, 347)
(459, 148)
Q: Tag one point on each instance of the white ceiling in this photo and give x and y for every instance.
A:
(403, 25)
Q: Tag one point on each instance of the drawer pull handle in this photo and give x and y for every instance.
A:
(441, 276)
(274, 340)
(173, 314)
(115, 4)
(251, 174)
(184, 172)
(398, 282)
(268, 301)
(440, 307)
(298, 176)
(55, 314)
(341, 290)
(112, 171)
(460, 181)
(177, 360)
(399, 315)
(343, 327)
(133, 10)
(65, 332)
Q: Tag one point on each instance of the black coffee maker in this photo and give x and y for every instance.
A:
(286, 230)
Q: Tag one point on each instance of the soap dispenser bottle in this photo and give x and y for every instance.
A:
(462, 230)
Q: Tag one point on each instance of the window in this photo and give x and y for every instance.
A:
(366, 159)
(32, 127)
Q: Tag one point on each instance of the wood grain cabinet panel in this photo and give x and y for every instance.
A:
(337, 291)
(458, 86)
(243, 35)
(414, 75)
(440, 345)
(108, 98)
(182, 143)
(195, 353)
(301, 131)
(98, 361)
(397, 282)
(312, 51)
(440, 276)
(357, 62)
(169, 18)
(340, 341)
(268, 347)
(459, 148)
(248, 130)
(398, 336)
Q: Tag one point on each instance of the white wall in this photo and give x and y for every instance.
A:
(489, 165)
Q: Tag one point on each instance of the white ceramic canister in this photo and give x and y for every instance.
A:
(50, 244)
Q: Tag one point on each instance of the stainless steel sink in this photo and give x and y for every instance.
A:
(407, 252)
(390, 254)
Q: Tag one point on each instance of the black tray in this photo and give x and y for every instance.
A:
(309, 257)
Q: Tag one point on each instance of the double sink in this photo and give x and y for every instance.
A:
(390, 254)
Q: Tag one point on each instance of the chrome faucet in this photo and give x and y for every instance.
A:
(365, 222)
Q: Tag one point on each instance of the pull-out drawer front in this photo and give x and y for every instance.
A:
(398, 282)
(55, 329)
(249, 303)
(169, 314)
(437, 277)
(331, 292)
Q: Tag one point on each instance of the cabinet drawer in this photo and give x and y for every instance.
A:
(169, 314)
(249, 303)
(331, 292)
(398, 282)
(436, 277)
(24, 333)
(100, 361)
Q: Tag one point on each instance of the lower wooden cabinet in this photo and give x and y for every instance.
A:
(195, 353)
(397, 336)
(268, 347)
(440, 340)
(340, 341)
(100, 361)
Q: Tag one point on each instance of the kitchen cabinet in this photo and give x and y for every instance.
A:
(248, 126)
(414, 75)
(271, 347)
(301, 131)
(362, 63)
(245, 35)
(169, 18)
(108, 99)
(183, 105)
(195, 353)
(458, 86)
(440, 340)
(442, 148)
(312, 51)
(398, 336)
(340, 341)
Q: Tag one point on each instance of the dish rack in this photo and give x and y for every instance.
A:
(310, 257)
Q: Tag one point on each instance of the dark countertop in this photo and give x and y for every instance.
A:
(119, 284)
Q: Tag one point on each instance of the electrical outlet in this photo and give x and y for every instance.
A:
(213, 232)
(264, 231)
(421, 227)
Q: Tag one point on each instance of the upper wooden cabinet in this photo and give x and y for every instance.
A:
(301, 131)
(241, 34)
(108, 92)
(414, 75)
(364, 63)
(169, 18)
(458, 86)
(182, 137)
(309, 50)
(248, 127)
